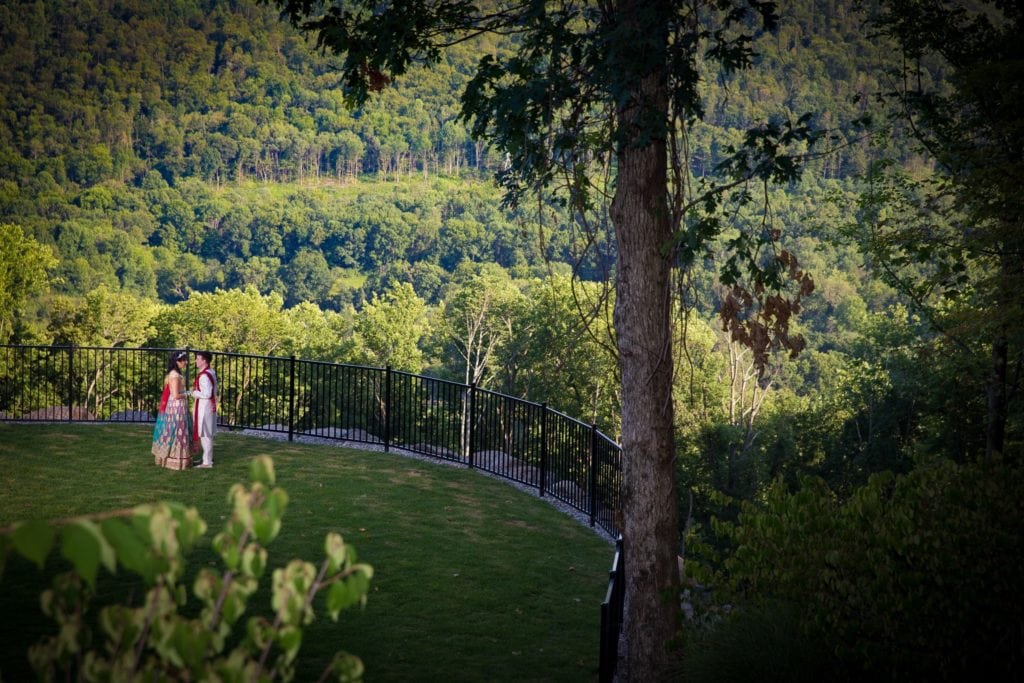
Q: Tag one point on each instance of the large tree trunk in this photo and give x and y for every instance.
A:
(642, 323)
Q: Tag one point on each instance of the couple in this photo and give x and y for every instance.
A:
(174, 443)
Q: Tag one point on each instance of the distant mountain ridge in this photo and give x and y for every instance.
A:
(228, 91)
(163, 148)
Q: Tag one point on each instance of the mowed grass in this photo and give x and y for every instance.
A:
(474, 579)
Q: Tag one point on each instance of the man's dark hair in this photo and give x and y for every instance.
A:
(205, 355)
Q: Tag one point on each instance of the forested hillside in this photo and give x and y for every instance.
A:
(144, 142)
(189, 173)
(110, 90)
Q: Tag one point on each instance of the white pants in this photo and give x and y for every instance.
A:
(207, 443)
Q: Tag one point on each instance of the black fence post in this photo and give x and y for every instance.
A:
(592, 483)
(71, 381)
(291, 397)
(543, 448)
(387, 408)
(471, 418)
(611, 616)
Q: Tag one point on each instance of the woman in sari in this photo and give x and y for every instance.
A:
(172, 435)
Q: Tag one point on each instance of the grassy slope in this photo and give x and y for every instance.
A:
(474, 579)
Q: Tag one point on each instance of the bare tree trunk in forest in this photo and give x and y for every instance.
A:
(643, 232)
(995, 429)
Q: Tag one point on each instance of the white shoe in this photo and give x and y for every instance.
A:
(206, 466)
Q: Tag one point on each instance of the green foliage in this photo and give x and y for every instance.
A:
(24, 270)
(561, 350)
(103, 318)
(203, 156)
(958, 228)
(242, 321)
(388, 330)
(763, 642)
(913, 576)
(153, 121)
(159, 639)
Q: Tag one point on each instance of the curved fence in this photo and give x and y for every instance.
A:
(528, 443)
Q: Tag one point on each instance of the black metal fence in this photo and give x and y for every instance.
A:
(528, 443)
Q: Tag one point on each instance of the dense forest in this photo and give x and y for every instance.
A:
(190, 173)
(221, 153)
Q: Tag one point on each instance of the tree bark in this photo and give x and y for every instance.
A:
(643, 232)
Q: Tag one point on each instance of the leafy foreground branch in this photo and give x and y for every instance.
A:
(154, 641)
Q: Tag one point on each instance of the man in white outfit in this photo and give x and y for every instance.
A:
(204, 416)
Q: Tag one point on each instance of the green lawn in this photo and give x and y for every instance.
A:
(474, 580)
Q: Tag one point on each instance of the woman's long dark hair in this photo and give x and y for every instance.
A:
(172, 362)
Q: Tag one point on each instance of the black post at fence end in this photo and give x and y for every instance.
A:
(291, 397)
(543, 447)
(592, 480)
(471, 427)
(71, 382)
(387, 408)
(611, 615)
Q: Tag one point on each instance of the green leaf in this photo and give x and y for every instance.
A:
(231, 557)
(265, 526)
(239, 498)
(122, 624)
(289, 638)
(207, 586)
(254, 560)
(190, 640)
(33, 540)
(232, 608)
(366, 570)
(351, 590)
(335, 549)
(347, 667)
(190, 526)
(338, 598)
(132, 550)
(277, 502)
(261, 469)
(290, 585)
(107, 555)
(82, 549)
(259, 632)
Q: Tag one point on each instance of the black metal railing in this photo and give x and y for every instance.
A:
(526, 442)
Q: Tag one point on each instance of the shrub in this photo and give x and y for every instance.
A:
(912, 577)
(157, 640)
(763, 642)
